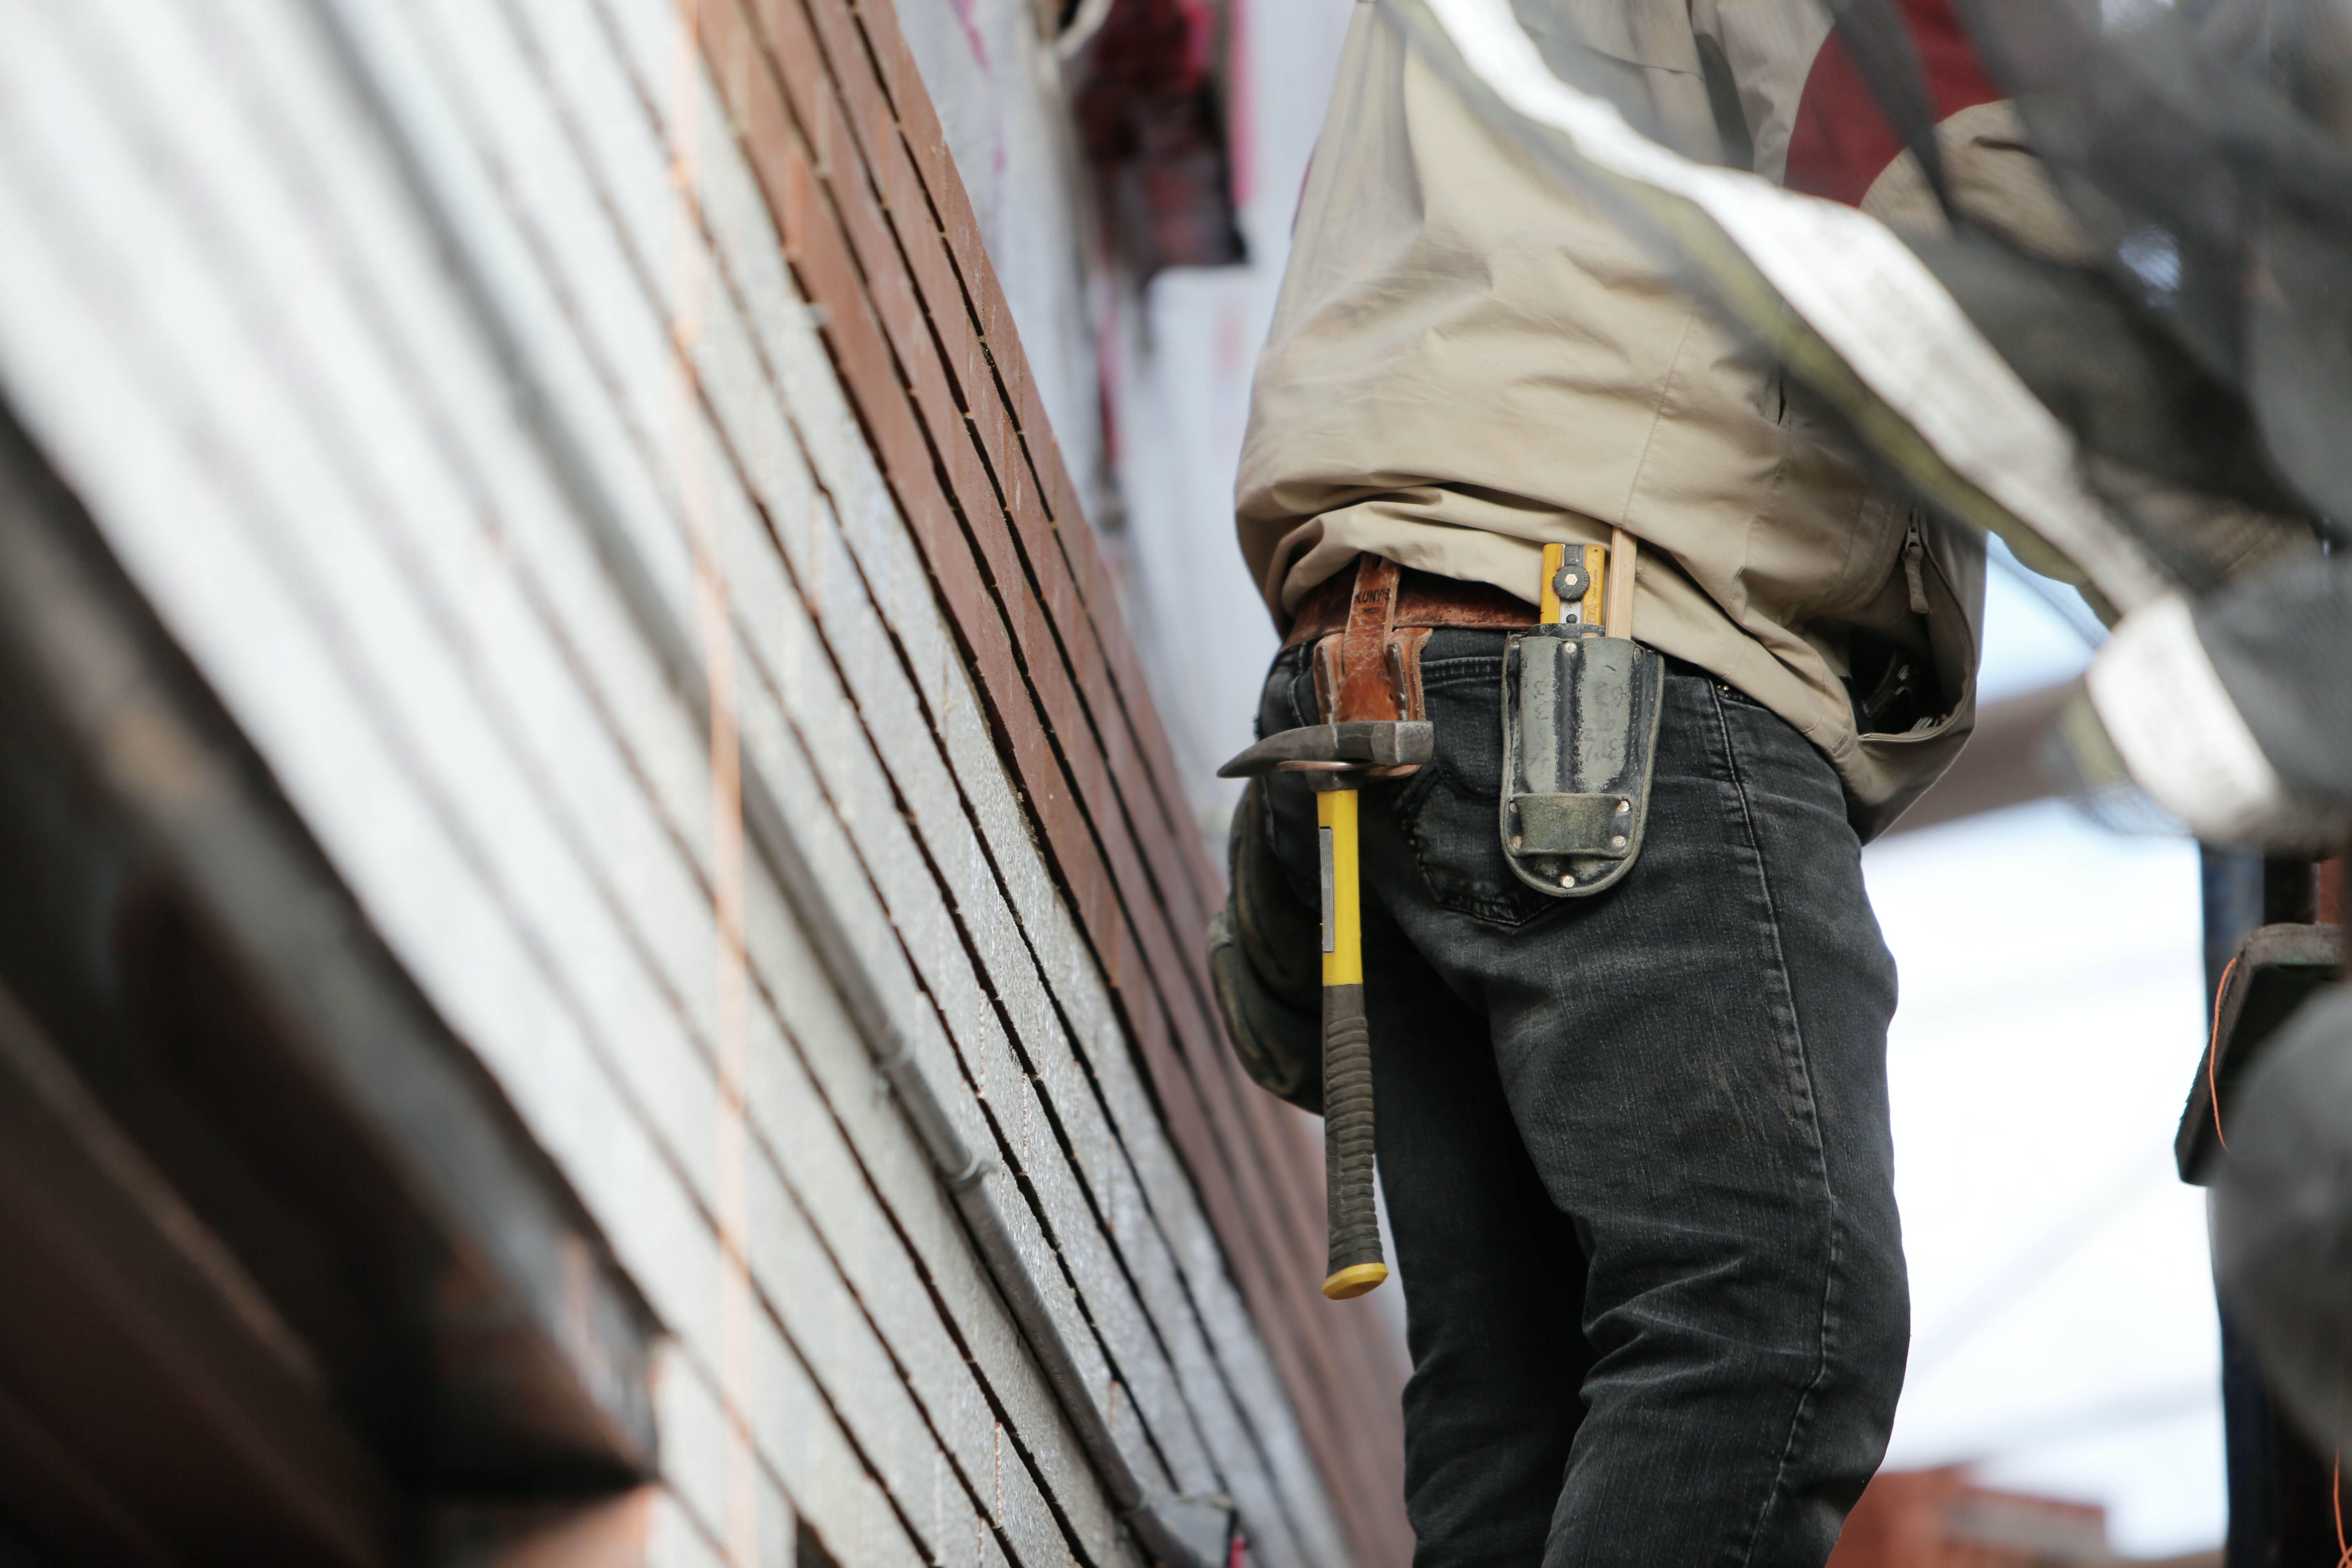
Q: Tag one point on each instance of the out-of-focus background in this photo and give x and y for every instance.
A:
(2063, 1339)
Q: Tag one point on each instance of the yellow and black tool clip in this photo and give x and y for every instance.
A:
(1573, 590)
(1591, 584)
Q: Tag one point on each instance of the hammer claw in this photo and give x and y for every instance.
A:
(1355, 743)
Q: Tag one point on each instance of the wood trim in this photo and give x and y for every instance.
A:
(879, 235)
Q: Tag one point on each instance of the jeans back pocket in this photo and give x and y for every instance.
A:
(1447, 810)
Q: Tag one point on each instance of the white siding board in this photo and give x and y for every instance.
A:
(1147, 1378)
(826, 1330)
(974, 912)
(574, 46)
(331, 703)
(859, 1072)
(694, 1440)
(108, 434)
(558, 358)
(384, 837)
(980, 763)
(1018, 1503)
(590, 280)
(675, 1539)
(346, 531)
(796, 1435)
(454, 381)
(476, 936)
(1140, 1141)
(429, 508)
(818, 1158)
(502, 769)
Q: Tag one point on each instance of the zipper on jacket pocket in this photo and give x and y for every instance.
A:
(1915, 553)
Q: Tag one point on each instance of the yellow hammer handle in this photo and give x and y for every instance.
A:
(1357, 1264)
(1343, 930)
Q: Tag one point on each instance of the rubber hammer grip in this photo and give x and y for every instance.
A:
(1356, 1264)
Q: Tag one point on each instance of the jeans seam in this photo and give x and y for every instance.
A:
(1480, 670)
(1300, 716)
(1797, 1418)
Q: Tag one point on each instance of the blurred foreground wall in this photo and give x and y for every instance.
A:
(579, 829)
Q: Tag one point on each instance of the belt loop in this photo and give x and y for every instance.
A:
(1404, 667)
(1364, 690)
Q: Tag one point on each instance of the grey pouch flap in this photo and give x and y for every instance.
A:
(1570, 825)
(1579, 741)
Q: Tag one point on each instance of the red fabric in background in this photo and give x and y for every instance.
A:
(1151, 110)
(1842, 140)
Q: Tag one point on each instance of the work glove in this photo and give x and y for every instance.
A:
(2233, 712)
(1266, 956)
(2282, 1216)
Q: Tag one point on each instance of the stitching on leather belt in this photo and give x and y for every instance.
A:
(1367, 665)
(1365, 690)
(1424, 599)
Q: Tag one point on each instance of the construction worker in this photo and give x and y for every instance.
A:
(1633, 1142)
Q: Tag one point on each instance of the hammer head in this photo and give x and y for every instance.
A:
(1334, 748)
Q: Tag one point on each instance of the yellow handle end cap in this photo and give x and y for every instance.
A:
(1353, 1282)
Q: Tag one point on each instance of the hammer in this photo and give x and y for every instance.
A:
(1339, 756)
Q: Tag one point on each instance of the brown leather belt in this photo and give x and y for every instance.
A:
(1423, 599)
(1369, 624)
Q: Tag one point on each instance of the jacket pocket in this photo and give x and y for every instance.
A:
(1951, 644)
(1916, 757)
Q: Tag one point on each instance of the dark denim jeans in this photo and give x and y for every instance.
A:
(1634, 1147)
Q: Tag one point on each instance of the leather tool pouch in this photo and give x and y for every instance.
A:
(1398, 681)
(1580, 744)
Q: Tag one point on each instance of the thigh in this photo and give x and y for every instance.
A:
(1696, 1059)
(1492, 1270)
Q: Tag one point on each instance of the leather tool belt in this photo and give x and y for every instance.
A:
(1368, 627)
(1580, 711)
(1424, 599)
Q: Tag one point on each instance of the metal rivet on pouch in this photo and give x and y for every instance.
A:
(1618, 842)
(1568, 881)
(1515, 841)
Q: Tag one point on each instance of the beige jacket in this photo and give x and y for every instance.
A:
(1467, 362)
